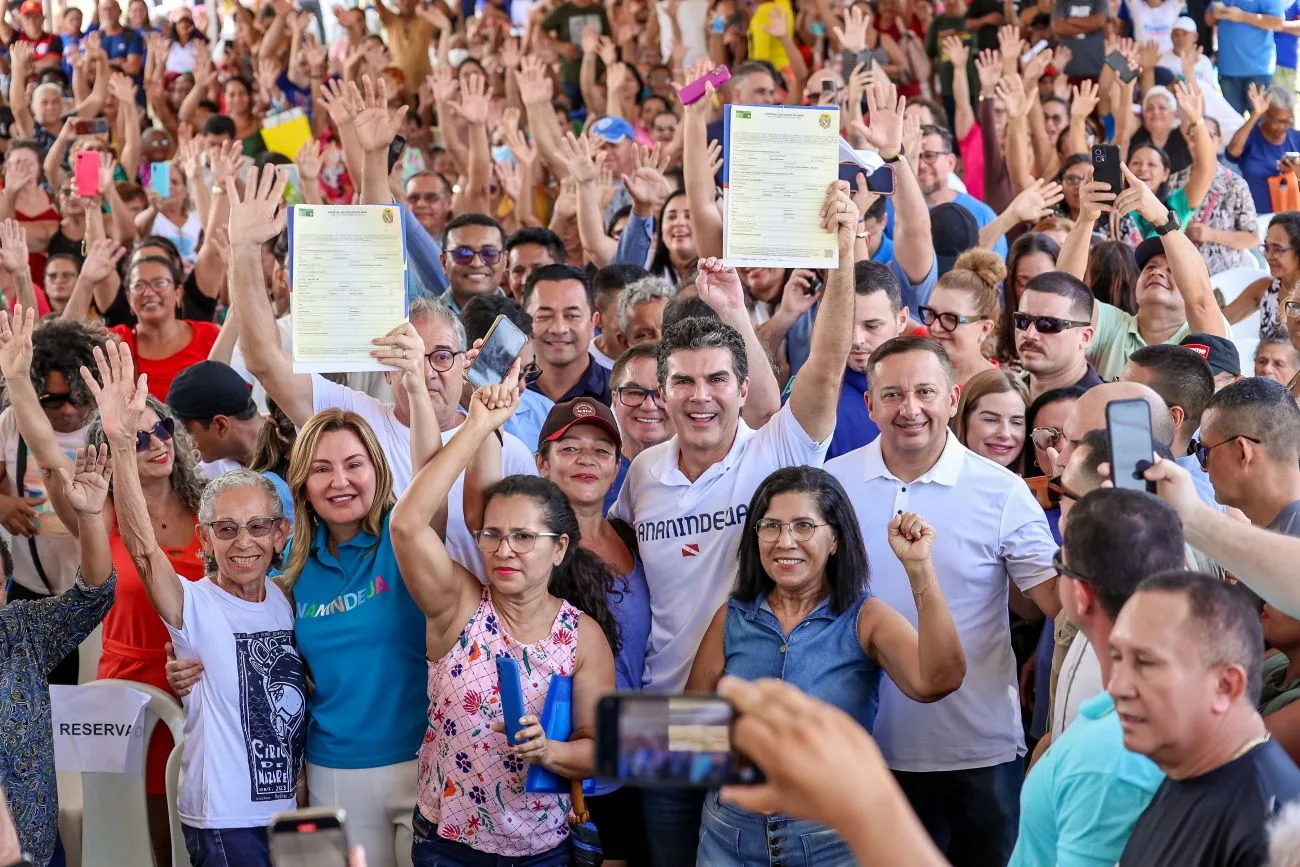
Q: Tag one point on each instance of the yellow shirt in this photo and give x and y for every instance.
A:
(409, 39)
(761, 45)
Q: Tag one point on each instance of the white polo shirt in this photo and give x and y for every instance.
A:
(395, 440)
(689, 533)
(988, 528)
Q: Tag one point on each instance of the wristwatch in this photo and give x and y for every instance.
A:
(1172, 225)
(893, 158)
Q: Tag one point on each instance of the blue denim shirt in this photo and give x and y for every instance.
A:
(636, 242)
(822, 655)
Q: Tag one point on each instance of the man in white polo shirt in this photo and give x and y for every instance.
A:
(687, 497)
(959, 759)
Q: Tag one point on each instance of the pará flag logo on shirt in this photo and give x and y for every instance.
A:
(690, 550)
(273, 707)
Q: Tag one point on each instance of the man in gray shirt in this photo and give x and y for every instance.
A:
(1250, 445)
(1080, 25)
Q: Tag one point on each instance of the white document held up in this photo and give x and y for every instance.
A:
(98, 729)
(347, 269)
(780, 162)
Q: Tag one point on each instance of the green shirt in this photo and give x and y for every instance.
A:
(1277, 693)
(1117, 337)
(566, 22)
(951, 25)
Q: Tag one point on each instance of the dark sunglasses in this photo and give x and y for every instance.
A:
(1058, 563)
(464, 255)
(58, 400)
(256, 527)
(163, 430)
(1056, 492)
(1202, 451)
(1045, 324)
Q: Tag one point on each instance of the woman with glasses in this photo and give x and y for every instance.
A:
(1282, 251)
(1075, 172)
(990, 419)
(1045, 421)
(803, 612)
(133, 637)
(963, 310)
(235, 621)
(544, 605)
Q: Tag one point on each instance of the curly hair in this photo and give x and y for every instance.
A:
(64, 347)
(187, 478)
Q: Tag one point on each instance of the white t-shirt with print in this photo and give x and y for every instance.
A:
(246, 719)
(1155, 23)
(395, 439)
(689, 532)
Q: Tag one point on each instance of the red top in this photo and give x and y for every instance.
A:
(36, 261)
(162, 371)
(42, 303)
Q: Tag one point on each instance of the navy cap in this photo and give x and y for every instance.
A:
(208, 389)
(1220, 352)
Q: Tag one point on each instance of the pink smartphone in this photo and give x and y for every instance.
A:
(85, 173)
(695, 90)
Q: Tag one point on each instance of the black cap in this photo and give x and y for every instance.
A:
(953, 230)
(1220, 352)
(1148, 250)
(208, 389)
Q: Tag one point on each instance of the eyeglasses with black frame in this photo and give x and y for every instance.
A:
(1058, 563)
(1046, 324)
(520, 541)
(441, 360)
(801, 530)
(635, 395)
(1202, 451)
(58, 400)
(1057, 491)
(256, 527)
(946, 321)
(164, 430)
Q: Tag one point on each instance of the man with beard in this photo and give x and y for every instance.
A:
(1053, 328)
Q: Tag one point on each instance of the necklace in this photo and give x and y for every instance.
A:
(1250, 745)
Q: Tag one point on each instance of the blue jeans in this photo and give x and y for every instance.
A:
(430, 850)
(972, 815)
(672, 825)
(227, 847)
(731, 837)
(1236, 89)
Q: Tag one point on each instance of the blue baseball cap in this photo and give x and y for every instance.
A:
(612, 129)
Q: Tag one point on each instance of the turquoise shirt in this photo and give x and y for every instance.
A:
(362, 636)
(1081, 800)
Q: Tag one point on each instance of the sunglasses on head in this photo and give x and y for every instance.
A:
(1045, 324)
(464, 255)
(58, 400)
(163, 430)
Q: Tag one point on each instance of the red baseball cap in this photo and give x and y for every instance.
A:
(580, 410)
(31, 7)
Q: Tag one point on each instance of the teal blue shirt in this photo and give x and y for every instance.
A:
(362, 636)
(1081, 800)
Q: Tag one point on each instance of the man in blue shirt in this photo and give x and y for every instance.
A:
(123, 45)
(935, 163)
(1081, 800)
(1246, 55)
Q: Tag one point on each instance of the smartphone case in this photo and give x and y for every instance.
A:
(160, 179)
(85, 174)
(512, 695)
(694, 91)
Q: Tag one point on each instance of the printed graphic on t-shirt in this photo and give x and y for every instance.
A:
(579, 23)
(273, 707)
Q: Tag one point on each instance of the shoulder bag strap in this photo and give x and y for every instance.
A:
(20, 484)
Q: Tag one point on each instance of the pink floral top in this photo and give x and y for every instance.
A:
(471, 781)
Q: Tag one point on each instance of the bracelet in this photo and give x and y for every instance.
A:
(218, 190)
(917, 594)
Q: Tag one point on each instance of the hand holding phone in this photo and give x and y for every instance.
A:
(313, 837)
(512, 697)
(85, 174)
(160, 178)
(501, 346)
(695, 91)
(1128, 429)
(1106, 167)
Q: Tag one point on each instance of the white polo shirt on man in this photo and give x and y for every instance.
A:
(688, 533)
(988, 528)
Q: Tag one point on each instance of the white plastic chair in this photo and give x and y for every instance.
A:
(1261, 222)
(1245, 334)
(115, 822)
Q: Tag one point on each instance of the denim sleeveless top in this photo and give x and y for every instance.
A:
(822, 655)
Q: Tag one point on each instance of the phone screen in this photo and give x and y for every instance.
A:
(1128, 427)
(680, 741)
(501, 346)
(308, 838)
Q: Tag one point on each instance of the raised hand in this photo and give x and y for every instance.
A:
(590, 40)
(16, 343)
(118, 394)
(1011, 90)
(1037, 201)
(473, 105)
(402, 350)
(853, 35)
(801, 292)
(20, 53)
(122, 88)
(1149, 55)
(1138, 197)
(377, 126)
(1261, 99)
(204, 69)
(20, 174)
(107, 170)
(341, 102)
(525, 153)
(715, 158)
(1010, 45)
(507, 174)
(1086, 96)
(1190, 102)
(584, 165)
(777, 26)
(495, 404)
(719, 287)
(1035, 68)
(256, 217)
(13, 247)
(839, 213)
(1061, 58)
(885, 107)
(911, 538)
(86, 485)
(534, 82)
(308, 159)
(988, 66)
(226, 159)
(956, 51)
(647, 184)
(1095, 198)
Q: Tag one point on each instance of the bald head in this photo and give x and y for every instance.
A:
(1089, 413)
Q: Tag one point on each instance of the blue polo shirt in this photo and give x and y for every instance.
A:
(1081, 800)
(362, 637)
(1285, 42)
(1243, 48)
(526, 423)
(594, 384)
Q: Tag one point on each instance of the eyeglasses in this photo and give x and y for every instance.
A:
(1275, 249)
(58, 400)
(1202, 451)
(441, 359)
(520, 541)
(1046, 437)
(947, 321)
(158, 284)
(1073, 180)
(1058, 563)
(1056, 491)
(634, 396)
(256, 527)
(464, 255)
(416, 198)
(933, 156)
(769, 530)
(531, 373)
(163, 430)
(1045, 324)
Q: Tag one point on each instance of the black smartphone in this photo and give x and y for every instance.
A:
(1128, 429)
(1106, 167)
(828, 86)
(395, 151)
(501, 346)
(313, 837)
(1119, 63)
(668, 742)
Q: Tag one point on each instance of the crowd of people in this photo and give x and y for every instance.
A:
(870, 505)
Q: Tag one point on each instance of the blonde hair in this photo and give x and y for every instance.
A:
(980, 386)
(978, 273)
(305, 520)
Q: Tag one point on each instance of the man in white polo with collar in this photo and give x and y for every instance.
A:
(958, 760)
(687, 497)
